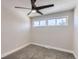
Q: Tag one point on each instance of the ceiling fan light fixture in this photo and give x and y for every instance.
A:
(33, 11)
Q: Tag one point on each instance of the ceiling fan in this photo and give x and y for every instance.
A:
(35, 8)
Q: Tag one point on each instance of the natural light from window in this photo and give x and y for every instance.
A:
(43, 23)
(52, 22)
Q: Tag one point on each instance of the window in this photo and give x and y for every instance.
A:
(61, 21)
(39, 23)
(57, 22)
(42, 23)
(36, 23)
(52, 22)
(64, 21)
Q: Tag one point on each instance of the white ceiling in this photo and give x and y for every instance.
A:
(60, 5)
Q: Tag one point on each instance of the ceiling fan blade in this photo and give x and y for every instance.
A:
(29, 13)
(46, 6)
(39, 12)
(22, 7)
(33, 1)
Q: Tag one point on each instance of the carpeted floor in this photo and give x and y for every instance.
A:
(37, 52)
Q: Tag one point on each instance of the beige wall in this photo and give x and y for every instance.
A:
(55, 36)
(15, 30)
(76, 31)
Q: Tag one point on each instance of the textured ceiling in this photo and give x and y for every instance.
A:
(60, 5)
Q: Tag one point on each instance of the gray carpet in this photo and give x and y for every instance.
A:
(37, 52)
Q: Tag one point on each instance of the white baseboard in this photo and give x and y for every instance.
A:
(50, 47)
(46, 46)
(10, 52)
(60, 49)
(76, 57)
